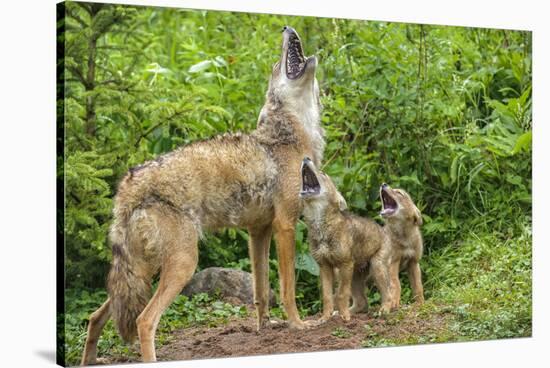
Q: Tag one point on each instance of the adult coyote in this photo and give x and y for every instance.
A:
(235, 180)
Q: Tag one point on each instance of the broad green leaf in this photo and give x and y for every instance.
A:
(304, 261)
(523, 142)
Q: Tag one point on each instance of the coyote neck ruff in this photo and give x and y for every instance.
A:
(234, 180)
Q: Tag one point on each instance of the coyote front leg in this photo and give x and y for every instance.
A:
(344, 290)
(259, 242)
(415, 278)
(286, 248)
(327, 284)
(395, 284)
(384, 282)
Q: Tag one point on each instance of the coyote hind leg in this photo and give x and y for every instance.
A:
(358, 286)
(98, 319)
(178, 244)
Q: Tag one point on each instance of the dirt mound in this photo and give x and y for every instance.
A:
(240, 338)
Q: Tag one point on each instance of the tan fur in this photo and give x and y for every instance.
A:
(235, 180)
(350, 248)
(402, 251)
(342, 243)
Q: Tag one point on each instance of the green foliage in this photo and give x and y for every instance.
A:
(88, 208)
(79, 306)
(201, 310)
(341, 333)
(443, 112)
(488, 280)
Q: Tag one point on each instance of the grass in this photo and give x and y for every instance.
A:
(200, 310)
(487, 282)
(341, 333)
(476, 289)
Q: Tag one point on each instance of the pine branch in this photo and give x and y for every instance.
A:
(76, 17)
(155, 126)
(79, 75)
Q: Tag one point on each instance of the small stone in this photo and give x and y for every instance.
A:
(232, 285)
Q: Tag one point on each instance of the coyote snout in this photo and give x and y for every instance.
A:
(293, 89)
(317, 187)
(398, 207)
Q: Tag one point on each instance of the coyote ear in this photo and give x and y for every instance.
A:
(261, 118)
(417, 217)
(342, 203)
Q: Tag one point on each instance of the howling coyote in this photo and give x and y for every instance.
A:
(249, 181)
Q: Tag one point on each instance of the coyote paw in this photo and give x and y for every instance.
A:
(345, 316)
(302, 325)
(311, 323)
(269, 322)
(354, 309)
(96, 361)
(383, 311)
(262, 323)
(324, 318)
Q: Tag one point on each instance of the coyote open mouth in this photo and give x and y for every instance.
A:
(295, 59)
(389, 205)
(310, 183)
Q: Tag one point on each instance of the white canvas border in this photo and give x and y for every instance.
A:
(28, 179)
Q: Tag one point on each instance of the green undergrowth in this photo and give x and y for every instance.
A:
(479, 288)
(200, 310)
(486, 279)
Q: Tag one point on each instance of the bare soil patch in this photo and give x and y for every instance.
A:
(240, 338)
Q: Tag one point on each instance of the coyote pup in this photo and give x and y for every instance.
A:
(234, 180)
(341, 240)
(403, 251)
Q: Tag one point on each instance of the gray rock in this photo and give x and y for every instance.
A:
(232, 285)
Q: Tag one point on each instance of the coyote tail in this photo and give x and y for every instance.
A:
(129, 290)
(129, 293)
